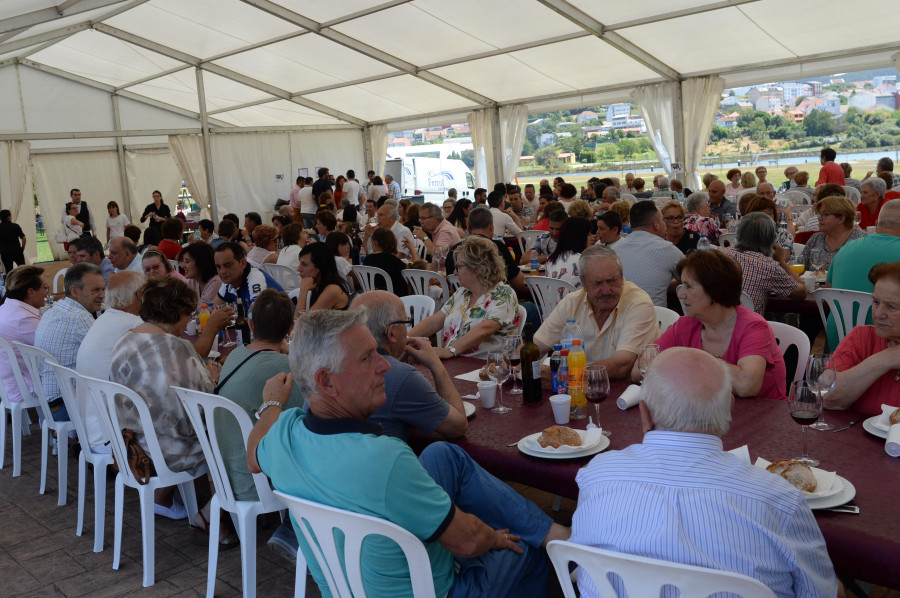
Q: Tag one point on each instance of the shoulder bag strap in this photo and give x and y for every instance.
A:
(246, 359)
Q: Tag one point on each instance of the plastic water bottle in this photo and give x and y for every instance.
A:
(571, 332)
(703, 243)
(626, 229)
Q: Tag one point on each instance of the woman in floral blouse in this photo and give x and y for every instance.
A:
(698, 219)
(482, 311)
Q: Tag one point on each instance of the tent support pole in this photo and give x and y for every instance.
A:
(207, 152)
(120, 149)
(679, 148)
(497, 144)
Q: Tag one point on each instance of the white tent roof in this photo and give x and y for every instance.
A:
(328, 63)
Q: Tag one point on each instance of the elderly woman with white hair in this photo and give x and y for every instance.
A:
(697, 219)
(871, 198)
(764, 263)
(483, 309)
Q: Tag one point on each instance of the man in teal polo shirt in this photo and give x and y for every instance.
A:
(467, 519)
(850, 267)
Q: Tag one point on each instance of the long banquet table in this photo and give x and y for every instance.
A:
(864, 546)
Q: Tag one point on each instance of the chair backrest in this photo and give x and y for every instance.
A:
(75, 396)
(34, 360)
(547, 292)
(798, 197)
(286, 276)
(787, 336)
(420, 282)
(420, 248)
(418, 307)
(628, 197)
(58, 280)
(797, 249)
(104, 393)
(523, 315)
(27, 398)
(747, 301)
(366, 277)
(527, 238)
(201, 408)
(318, 523)
(643, 576)
(852, 193)
(728, 240)
(803, 236)
(453, 282)
(849, 308)
(744, 192)
(666, 317)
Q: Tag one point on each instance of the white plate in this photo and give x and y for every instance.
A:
(844, 496)
(869, 426)
(550, 454)
(836, 486)
(470, 409)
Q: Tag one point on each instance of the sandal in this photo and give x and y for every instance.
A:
(200, 535)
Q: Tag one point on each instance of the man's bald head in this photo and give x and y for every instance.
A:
(674, 398)
(123, 290)
(382, 309)
(122, 251)
(889, 218)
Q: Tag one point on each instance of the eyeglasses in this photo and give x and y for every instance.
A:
(673, 218)
(825, 214)
(408, 322)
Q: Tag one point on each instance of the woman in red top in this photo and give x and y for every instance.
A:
(171, 229)
(868, 359)
(871, 198)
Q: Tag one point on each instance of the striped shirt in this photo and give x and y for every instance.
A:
(678, 497)
(60, 333)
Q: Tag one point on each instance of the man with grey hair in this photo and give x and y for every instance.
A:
(679, 472)
(123, 254)
(63, 328)
(393, 188)
(412, 402)
(435, 232)
(387, 218)
(763, 262)
(766, 189)
(629, 183)
(663, 195)
(333, 454)
(884, 164)
(615, 315)
(123, 303)
(789, 173)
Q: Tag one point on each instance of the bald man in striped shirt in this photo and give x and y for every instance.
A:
(679, 497)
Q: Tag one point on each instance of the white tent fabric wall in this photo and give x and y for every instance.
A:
(244, 167)
(340, 150)
(699, 97)
(187, 152)
(657, 104)
(15, 191)
(149, 170)
(95, 173)
(513, 122)
(482, 144)
(378, 142)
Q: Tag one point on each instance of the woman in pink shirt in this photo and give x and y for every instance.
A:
(26, 290)
(716, 323)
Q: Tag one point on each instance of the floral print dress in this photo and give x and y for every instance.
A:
(499, 304)
(702, 226)
(566, 268)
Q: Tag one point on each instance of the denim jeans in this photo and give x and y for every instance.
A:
(496, 573)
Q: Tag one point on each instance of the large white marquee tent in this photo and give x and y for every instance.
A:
(121, 97)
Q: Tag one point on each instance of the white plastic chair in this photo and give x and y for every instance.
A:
(744, 192)
(798, 197)
(453, 282)
(747, 301)
(527, 238)
(728, 240)
(548, 292)
(523, 313)
(421, 250)
(642, 576)
(318, 523)
(75, 396)
(666, 317)
(19, 420)
(420, 283)
(201, 407)
(58, 279)
(34, 360)
(104, 393)
(418, 307)
(787, 336)
(849, 308)
(852, 193)
(286, 276)
(366, 277)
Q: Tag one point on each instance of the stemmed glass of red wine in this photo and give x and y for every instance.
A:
(805, 405)
(596, 388)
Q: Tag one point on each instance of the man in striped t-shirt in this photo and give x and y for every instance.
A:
(679, 497)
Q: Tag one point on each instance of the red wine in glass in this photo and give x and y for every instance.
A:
(805, 417)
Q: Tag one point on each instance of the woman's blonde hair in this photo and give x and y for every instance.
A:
(580, 209)
(838, 205)
(675, 204)
(480, 255)
(748, 180)
(623, 209)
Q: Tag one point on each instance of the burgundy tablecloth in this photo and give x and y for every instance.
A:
(864, 546)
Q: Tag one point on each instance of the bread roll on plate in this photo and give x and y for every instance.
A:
(895, 417)
(557, 436)
(796, 473)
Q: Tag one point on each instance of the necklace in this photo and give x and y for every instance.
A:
(160, 326)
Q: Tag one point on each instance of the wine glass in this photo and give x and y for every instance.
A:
(857, 217)
(498, 369)
(233, 341)
(817, 263)
(511, 346)
(805, 405)
(596, 388)
(821, 376)
(648, 354)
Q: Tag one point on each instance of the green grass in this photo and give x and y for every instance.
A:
(43, 249)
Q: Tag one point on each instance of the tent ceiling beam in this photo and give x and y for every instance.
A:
(364, 12)
(55, 35)
(171, 71)
(350, 83)
(588, 23)
(369, 51)
(500, 51)
(224, 72)
(52, 13)
(96, 134)
(244, 105)
(696, 10)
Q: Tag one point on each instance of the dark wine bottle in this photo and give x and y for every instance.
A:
(531, 366)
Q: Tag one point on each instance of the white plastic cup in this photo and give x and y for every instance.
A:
(487, 390)
(561, 405)
(870, 230)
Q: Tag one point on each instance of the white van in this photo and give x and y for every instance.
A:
(429, 179)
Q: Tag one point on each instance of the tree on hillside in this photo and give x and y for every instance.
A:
(818, 123)
(628, 147)
(527, 148)
(468, 157)
(454, 155)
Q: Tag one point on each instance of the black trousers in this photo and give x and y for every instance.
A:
(12, 256)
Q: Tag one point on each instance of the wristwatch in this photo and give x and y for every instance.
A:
(452, 351)
(266, 405)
